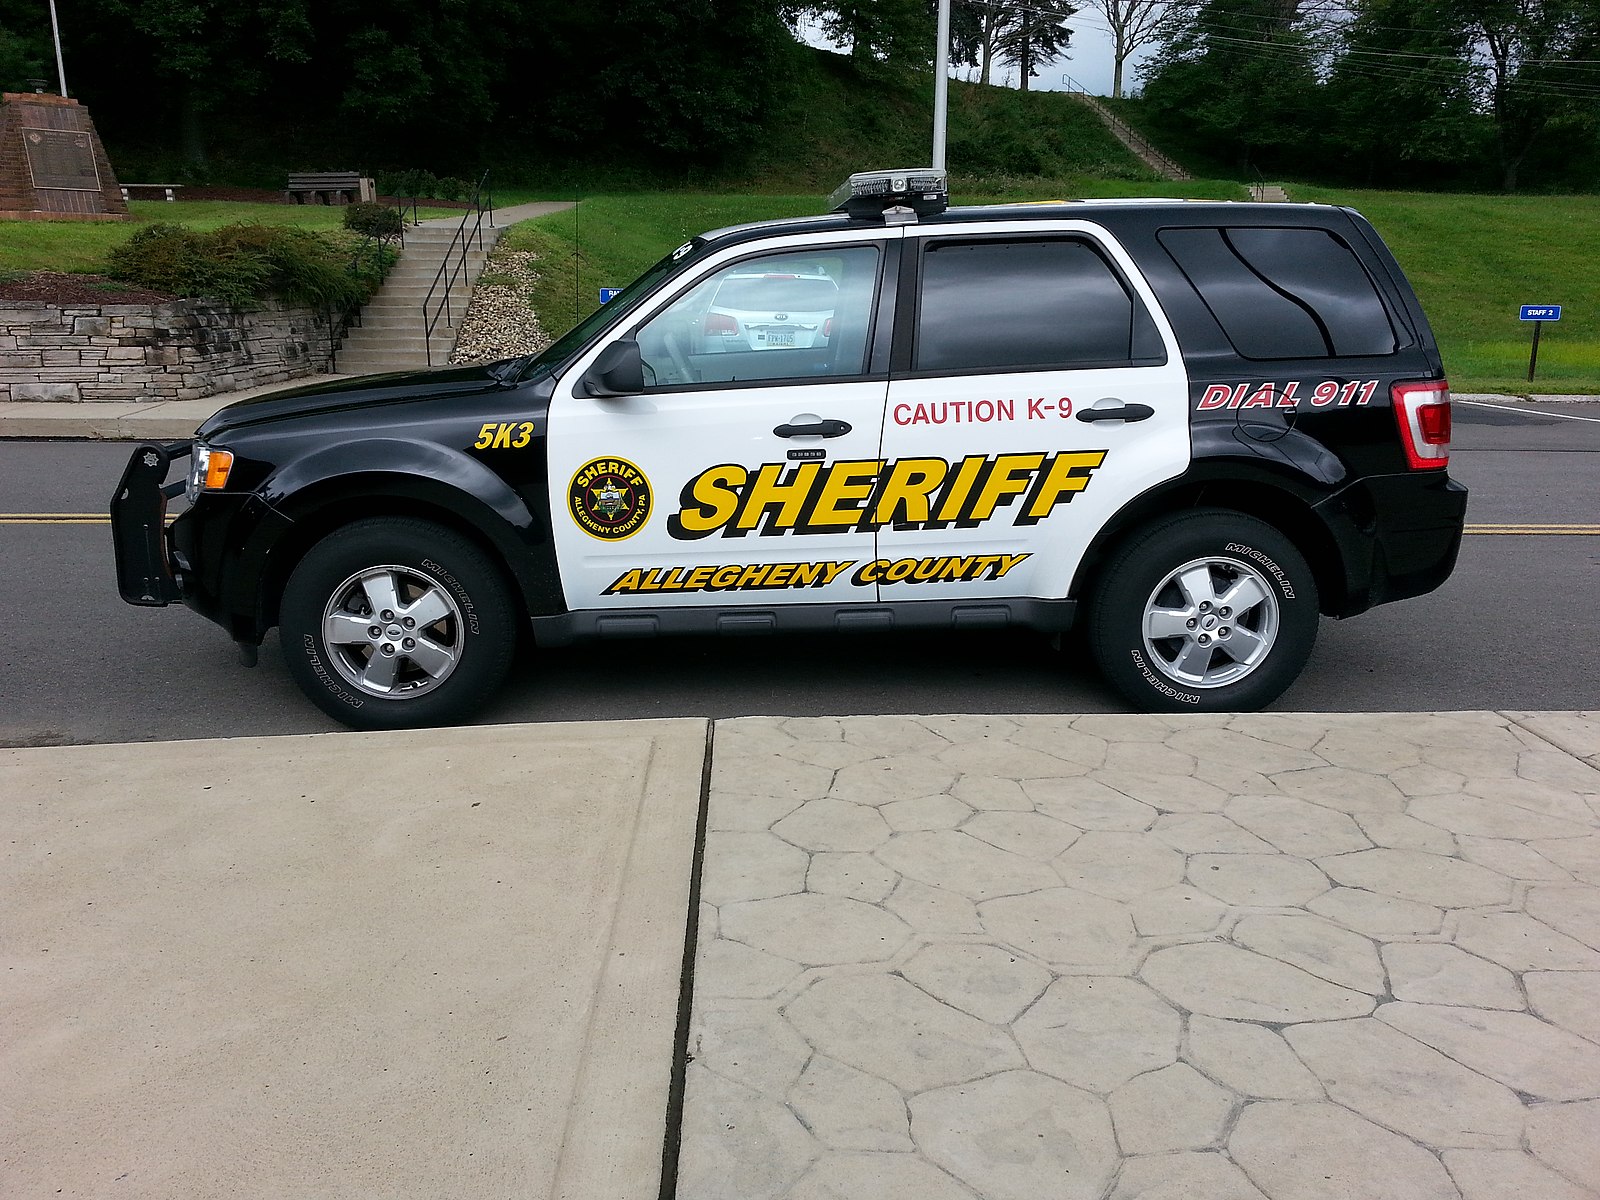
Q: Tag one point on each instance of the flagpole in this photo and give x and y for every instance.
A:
(941, 84)
(55, 31)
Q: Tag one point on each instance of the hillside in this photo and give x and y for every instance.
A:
(838, 118)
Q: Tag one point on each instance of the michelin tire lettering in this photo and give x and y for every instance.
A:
(1273, 568)
(858, 495)
(1160, 685)
(315, 659)
(454, 584)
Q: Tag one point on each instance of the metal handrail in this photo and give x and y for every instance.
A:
(457, 268)
(1129, 136)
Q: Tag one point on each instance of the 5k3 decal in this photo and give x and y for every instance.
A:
(504, 435)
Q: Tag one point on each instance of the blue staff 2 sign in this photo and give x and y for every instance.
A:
(1538, 314)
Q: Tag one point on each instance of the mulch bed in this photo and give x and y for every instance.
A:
(52, 287)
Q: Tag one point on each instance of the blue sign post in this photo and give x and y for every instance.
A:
(1538, 314)
(607, 293)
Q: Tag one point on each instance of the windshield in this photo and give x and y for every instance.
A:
(574, 339)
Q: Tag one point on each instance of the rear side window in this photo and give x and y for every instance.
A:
(998, 305)
(1284, 293)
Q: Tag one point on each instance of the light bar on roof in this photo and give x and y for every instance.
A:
(924, 190)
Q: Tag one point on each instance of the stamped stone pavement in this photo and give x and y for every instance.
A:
(1210, 958)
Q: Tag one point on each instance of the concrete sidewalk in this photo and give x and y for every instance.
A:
(1300, 957)
(441, 963)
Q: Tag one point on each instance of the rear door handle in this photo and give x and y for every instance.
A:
(827, 429)
(1123, 412)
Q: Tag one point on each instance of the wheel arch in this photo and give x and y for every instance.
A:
(321, 508)
(1241, 487)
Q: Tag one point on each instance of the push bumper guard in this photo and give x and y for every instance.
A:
(139, 525)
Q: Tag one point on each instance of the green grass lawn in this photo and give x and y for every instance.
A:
(81, 246)
(1472, 260)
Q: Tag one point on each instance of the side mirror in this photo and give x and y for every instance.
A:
(617, 371)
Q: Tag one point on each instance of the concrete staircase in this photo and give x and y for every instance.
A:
(389, 336)
(1131, 138)
(1268, 193)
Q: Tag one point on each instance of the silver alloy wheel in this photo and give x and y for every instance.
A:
(393, 631)
(1210, 622)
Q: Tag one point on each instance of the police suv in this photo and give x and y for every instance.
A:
(1194, 426)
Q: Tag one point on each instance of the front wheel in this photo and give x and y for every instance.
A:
(393, 623)
(1206, 611)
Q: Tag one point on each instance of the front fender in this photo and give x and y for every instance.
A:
(338, 484)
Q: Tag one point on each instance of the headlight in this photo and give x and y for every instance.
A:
(208, 470)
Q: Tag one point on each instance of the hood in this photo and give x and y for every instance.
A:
(363, 392)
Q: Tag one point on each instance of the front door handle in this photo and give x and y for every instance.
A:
(1123, 412)
(827, 429)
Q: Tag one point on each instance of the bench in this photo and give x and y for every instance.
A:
(329, 187)
(168, 188)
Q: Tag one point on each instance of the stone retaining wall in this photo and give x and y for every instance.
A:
(181, 350)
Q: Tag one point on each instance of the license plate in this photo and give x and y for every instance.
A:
(780, 337)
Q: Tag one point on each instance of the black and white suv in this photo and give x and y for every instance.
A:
(1197, 426)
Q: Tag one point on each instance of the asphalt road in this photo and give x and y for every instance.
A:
(1514, 628)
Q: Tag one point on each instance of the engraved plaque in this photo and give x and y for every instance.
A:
(61, 158)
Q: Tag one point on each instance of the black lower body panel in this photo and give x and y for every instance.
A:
(565, 628)
(1400, 535)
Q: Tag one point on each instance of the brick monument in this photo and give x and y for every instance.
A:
(52, 165)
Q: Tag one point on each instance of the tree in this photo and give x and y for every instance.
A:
(1401, 93)
(874, 30)
(1034, 33)
(208, 51)
(24, 44)
(1134, 24)
(1540, 68)
(1240, 78)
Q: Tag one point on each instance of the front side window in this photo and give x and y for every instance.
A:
(1002, 305)
(790, 316)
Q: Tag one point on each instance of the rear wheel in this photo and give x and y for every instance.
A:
(394, 623)
(1206, 611)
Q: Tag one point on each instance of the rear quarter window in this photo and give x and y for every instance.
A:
(1284, 293)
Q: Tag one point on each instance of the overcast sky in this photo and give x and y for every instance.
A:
(1088, 61)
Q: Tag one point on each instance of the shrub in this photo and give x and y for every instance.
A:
(374, 220)
(239, 264)
(415, 182)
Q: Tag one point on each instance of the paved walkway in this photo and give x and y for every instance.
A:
(1293, 957)
(938, 958)
(441, 963)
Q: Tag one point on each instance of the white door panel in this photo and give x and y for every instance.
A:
(1027, 478)
(738, 513)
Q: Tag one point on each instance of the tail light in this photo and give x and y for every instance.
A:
(721, 323)
(827, 328)
(1422, 410)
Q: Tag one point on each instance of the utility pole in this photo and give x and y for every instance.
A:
(55, 31)
(941, 84)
